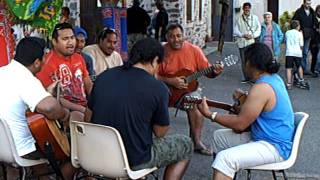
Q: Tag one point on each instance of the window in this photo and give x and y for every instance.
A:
(200, 10)
(189, 10)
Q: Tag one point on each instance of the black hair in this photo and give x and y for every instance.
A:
(66, 10)
(260, 57)
(173, 26)
(317, 8)
(60, 26)
(103, 34)
(136, 3)
(29, 49)
(246, 4)
(294, 24)
(144, 51)
(159, 4)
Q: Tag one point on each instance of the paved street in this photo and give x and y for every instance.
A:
(307, 165)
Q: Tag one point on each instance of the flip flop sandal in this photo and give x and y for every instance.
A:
(204, 151)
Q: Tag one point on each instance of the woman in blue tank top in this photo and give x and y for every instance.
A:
(267, 111)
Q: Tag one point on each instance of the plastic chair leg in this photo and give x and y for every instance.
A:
(274, 175)
(248, 174)
(235, 176)
(284, 175)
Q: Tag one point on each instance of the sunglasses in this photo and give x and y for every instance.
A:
(105, 31)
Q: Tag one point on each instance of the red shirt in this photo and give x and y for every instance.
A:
(189, 57)
(70, 70)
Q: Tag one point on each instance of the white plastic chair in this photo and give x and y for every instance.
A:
(300, 119)
(9, 154)
(99, 150)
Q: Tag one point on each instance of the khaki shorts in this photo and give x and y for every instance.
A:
(168, 150)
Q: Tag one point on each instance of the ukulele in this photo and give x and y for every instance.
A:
(191, 79)
(49, 131)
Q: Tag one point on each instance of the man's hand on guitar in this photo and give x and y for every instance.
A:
(204, 108)
(52, 88)
(218, 68)
(179, 82)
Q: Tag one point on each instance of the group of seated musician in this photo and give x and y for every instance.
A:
(134, 98)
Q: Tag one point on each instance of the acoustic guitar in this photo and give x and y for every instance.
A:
(188, 102)
(49, 131)
(191, 79)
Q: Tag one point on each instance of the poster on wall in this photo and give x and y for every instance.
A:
(7, 43)
(116, 18)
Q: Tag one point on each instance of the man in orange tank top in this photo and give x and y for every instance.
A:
(182, 55)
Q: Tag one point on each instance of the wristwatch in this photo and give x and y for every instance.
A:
(213, 116)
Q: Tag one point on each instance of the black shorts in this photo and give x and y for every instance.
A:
(292, 60)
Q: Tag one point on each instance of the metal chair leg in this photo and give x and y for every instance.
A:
(274, 175)
(235, 176)
(248, 174)
(284, 175)
(4, 171)
(22, 173)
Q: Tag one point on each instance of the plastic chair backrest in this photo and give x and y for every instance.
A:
(9, 154)
(300, 119)
(6, 140)
(98, 149)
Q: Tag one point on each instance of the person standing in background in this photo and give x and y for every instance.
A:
(162, 20)
(306, 16)
(247, 28)
(271, 35)
(315, 65)
(138, 21)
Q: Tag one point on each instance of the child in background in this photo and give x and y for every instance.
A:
(294, 45)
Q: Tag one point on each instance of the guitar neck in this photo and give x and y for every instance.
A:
(200, 73)
(220, 105)
(217, 104)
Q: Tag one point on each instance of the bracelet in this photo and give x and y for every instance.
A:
(213, 116)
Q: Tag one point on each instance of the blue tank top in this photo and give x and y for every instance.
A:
(276, 126)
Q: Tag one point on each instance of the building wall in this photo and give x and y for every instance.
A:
(195, 30)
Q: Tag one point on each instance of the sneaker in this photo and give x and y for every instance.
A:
(245, 81)
(289, 86)
(303, 84)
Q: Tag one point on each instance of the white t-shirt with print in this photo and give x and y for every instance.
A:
(20, 90)
(294, 42)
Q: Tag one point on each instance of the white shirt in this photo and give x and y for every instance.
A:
(246, 25)
(294, 42)
(19, 91)
(101, 62)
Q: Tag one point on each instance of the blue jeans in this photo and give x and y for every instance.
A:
(305, 51)
(317, 68)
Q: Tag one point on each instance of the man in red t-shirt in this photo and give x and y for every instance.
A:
(64, 65)
(182, 55)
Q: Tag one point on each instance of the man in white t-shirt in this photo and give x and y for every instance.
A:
(103, 53)
(21, 91)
